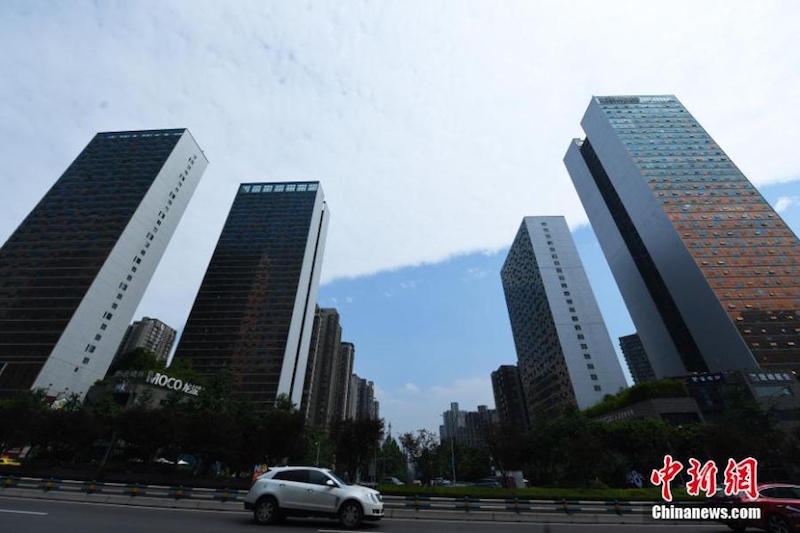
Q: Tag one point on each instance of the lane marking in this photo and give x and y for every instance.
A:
(21, 512)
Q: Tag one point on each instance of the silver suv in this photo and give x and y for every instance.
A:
(309, 491)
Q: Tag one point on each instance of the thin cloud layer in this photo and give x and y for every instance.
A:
(411, 407)
(434, 127)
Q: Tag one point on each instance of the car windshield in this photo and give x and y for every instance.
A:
(336, 478)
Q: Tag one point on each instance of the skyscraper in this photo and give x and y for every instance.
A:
(708, 270)
(325, 355)
(636, 357)
(75, 270)
(565, 355)
(254, 311)
(149, 334)
(508, 396)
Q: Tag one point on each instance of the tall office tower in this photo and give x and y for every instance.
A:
(254, 311)
(636, 357)
(508, 396)
(150, 334)
(708, 270)
(565, 355)
(73, 273)
(340, 389)
(325, 354)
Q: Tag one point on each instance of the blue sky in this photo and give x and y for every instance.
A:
(434, 127)
(432, 334)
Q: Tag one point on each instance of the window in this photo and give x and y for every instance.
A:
(85, 360)
(316, 477)
(593, 377)
(574, 318)
(566, 293)
(584, 346)
(300, 475)
(98, 337)
(554, 256)
(107, 315)
(597, 388)
(119, 296)
(563, 285)
(587, 356)
(577, 327)
(114, 305)
(590, 366)
(571, 309)
(581, 337)
(103, 326)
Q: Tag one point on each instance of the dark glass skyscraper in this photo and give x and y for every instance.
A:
(75, 270)
(709, 271)
(254, 311)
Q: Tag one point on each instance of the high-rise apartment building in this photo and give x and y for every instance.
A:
(710, 273)
(363, 394)
(636, 357)
(149, 334)
(508, 396)
(341, 382)
(565, 355)
(324, 357)
(254, 311)
(75, 270)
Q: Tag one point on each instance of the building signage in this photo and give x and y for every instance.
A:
(162, 380)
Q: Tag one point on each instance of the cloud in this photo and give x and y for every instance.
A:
(408, 285)
(411, 407)
(785, 202)
(434, 127)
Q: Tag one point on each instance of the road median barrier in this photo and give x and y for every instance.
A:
(465, 503)
(517, 505)
(418, 502)
(567, 506)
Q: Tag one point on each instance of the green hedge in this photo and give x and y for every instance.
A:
(666, 388)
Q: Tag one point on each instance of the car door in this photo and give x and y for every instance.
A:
(322, 497)
(292, 488)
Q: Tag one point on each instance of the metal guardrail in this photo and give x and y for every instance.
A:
(173, 492)
(421, 506)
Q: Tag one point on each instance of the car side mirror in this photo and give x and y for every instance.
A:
(331, 483)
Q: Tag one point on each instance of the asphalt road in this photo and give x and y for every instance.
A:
(19, 515)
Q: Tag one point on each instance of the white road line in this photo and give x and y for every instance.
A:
(21, 512)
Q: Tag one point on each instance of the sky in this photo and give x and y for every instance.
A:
(434, 127)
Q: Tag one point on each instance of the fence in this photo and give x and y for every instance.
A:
(405, 507)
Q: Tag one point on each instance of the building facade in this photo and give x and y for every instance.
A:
(509, 398)
(149, 334)
(708, 270)
(75, 270)
(324, 357)
(254, 311)
(363, 398)
(565, 355)
(636, 357)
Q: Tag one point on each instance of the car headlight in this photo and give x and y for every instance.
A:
(376, 498)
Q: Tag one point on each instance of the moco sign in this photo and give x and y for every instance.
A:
(163, 380)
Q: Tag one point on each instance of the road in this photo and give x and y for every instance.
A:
(34, 516)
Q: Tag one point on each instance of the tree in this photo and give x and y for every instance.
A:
(505, 443)
(393, 461)
(356, 444)
(422, 450)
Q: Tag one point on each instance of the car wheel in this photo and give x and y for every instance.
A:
(351, 515)
(266, 511)
(777, 524)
